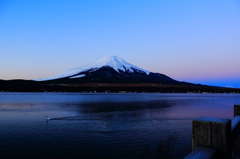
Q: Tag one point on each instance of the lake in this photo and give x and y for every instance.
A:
(101, 125)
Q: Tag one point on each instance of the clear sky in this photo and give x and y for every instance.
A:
(188, 40)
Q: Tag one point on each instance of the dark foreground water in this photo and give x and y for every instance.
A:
(101, 125)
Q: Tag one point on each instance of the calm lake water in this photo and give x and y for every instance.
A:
(100, 125)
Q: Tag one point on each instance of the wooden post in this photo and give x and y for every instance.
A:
(212, 132)
(236, 110)
(236, 131)
(203, 153)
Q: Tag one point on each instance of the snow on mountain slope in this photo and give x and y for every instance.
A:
(111, 61)
(78, 76)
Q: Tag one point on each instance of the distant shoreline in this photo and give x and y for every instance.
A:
(34, 86)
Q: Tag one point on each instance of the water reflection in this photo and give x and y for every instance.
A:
(99, 125)
(108, 107)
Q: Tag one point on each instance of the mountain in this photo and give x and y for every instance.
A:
(109, 69)
(108, 74)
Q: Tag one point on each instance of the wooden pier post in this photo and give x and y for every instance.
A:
(236, 124)
(236, 131)
(236, 110)
(212, 132)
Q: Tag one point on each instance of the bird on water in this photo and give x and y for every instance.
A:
(47, 118)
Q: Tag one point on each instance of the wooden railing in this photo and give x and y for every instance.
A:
(214, 138)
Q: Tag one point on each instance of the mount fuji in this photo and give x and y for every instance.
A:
(108, 74)
(109, 69)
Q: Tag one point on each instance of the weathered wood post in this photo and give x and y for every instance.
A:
(236, 131)
(212, 132)
(236, 110)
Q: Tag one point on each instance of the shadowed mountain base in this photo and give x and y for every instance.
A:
(34, 86)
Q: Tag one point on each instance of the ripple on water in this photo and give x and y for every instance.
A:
(110, 126)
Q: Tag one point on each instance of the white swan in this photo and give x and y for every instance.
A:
(47, 118)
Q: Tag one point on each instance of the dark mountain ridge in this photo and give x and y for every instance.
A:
(109, 74)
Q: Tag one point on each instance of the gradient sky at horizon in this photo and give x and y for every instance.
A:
(192, 41)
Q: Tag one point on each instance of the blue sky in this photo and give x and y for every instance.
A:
(193, 41)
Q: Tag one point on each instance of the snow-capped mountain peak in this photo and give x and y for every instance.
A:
(114, 62)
